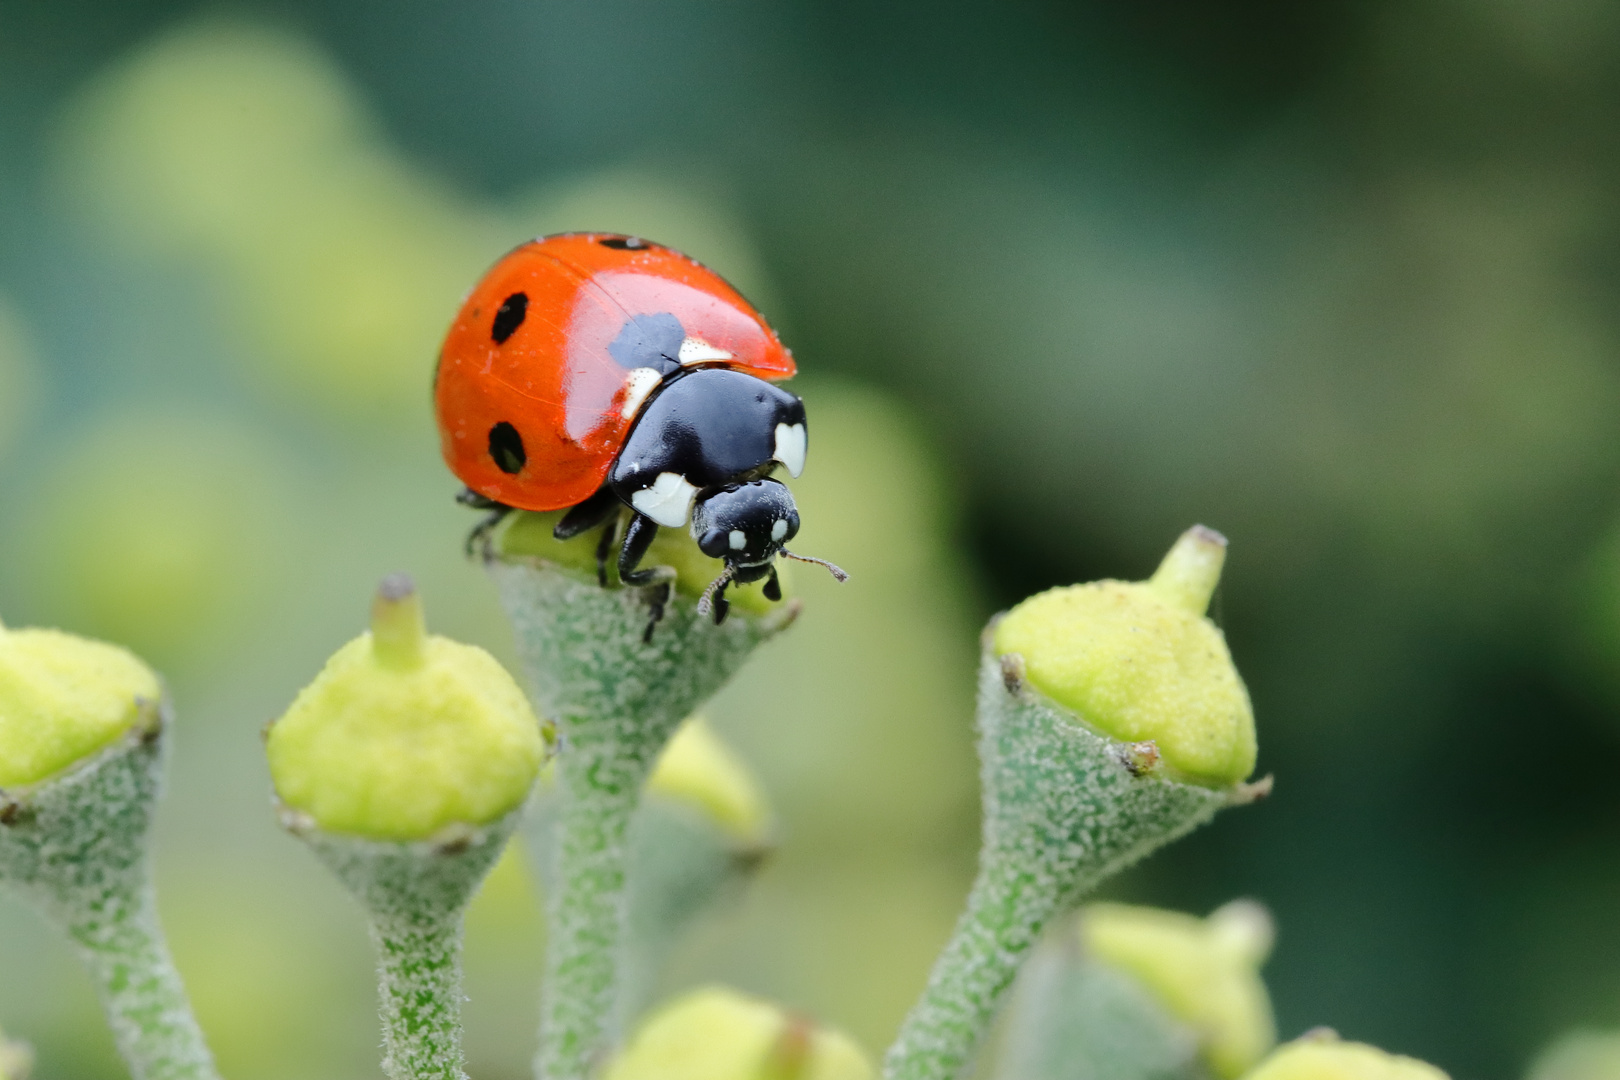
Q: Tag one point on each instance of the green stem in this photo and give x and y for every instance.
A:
(122, 945)
(76, 847)
(1006, 910)
(586, 911)
(419, 972)
(1064, 808)
(415, 893)
(615, 692)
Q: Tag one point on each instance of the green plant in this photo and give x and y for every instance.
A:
(405, 766)
(1111, 721)
(82, 742)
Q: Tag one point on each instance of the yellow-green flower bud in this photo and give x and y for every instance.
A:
(718, 1034)
(1139, 662)
(1322, 1056)
(699, 770)
(63, 698)
(404, 734)
(1580, 1055)
(529, 535)
(1206, 972)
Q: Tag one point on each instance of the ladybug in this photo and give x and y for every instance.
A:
(602, 373)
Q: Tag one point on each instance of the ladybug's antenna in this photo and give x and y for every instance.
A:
(838, 574)
(706, 601)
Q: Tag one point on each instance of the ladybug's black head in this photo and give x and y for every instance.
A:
(746, 525)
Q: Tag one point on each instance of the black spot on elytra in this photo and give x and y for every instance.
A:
(652, 341)
(624, 243)
(509, 318)
(506, 447)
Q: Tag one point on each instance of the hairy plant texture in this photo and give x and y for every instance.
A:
(615, 693)
(415, 894)
(1064, 808)
(76, 847)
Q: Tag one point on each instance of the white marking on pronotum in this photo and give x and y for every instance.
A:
(641, 382)
(697, 351)
(737, 540)
(779, 529)
(667, 501)
(790, 447)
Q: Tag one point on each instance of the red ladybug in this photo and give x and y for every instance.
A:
(595, 371)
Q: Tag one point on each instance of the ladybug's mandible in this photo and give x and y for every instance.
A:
(595, 372)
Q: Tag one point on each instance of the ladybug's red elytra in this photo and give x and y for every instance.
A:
(596, 371)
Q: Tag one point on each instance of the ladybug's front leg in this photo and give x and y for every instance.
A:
(637, 538)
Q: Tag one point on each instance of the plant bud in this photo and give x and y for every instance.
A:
(63, 698)
(404, 735)
(1140, 663)
(529, 535)
(1205, 972)
(1322, 1056)
(718, 1034)
(700, 771)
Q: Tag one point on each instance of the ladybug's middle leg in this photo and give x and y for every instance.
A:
(637, 539)
(604, 549)
(604, 506)
(479, 539)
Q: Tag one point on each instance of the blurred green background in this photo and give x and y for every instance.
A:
(1339, 279)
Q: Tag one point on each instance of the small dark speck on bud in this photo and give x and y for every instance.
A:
(149, 720)
(454, 839)
(396, 587)
(1012, 673)
(1139, 758)
(15, 811)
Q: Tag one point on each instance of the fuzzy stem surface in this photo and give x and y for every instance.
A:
(1005, 912)
(419, 976)
(76, 847)
(616, 693)
(122, 945)
(415, 894)
(1064, 808)
(586, 909)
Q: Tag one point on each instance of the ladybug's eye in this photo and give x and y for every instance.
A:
(624, 243)
(506, 447)
(509, 318)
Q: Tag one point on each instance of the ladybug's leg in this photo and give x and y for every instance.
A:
(479, 539)
(637, 538)
(722, 606)
(773, 587)
(604, 548)
(657, 599)
(587, 515)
